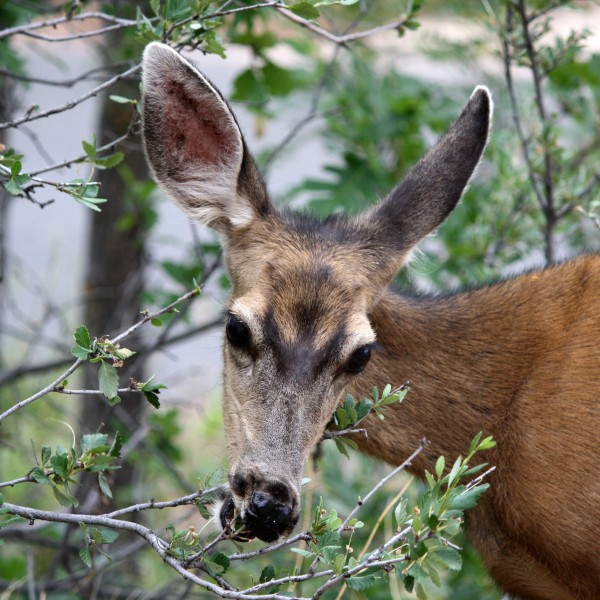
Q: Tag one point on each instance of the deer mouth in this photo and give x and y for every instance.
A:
(262, 518)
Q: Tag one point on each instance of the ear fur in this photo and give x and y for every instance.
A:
(433, 187)
(195, 146)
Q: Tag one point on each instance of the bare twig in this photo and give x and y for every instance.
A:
(549, 208)
(72, 103)
(339, 39)
(29, 27)
(67, 83)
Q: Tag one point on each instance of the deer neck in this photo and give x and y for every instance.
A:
(465, 358)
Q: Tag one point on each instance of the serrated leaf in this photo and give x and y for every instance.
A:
(450, 557)
(38, 475)
(60, 464)
(94, 442)
(108, 379)
(359, 583)
(469, 497)
(82, 337)
(222, 560)
(79, 352)
(108, 536)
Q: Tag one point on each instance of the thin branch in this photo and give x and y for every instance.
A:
(549, 211)
(72, 103)
(76, 36)
(56, 383)
(304, 536)
(406, 463)
(57, 21)
(339, 39)
(64, 82)
(516, 112)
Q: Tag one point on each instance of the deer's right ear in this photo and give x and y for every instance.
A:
(195, 146)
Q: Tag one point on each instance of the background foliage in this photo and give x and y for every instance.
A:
(327, 70)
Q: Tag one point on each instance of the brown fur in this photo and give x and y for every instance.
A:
(518, 360)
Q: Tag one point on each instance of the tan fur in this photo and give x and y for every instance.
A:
(518, 360)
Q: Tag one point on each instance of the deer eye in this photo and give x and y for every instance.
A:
(359, 359)
(237, 332)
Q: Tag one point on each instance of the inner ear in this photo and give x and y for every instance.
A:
(200, 132)
(195, 146)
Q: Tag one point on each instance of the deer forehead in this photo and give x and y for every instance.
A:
(308, 305)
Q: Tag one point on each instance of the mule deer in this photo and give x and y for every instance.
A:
(519, 360)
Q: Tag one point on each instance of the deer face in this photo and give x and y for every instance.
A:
(297, 329)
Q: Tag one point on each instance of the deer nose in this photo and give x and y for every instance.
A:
(267, 518)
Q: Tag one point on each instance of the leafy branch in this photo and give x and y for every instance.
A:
(417, 551)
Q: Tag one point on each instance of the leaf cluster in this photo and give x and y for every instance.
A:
(58, 469)
(351, 413)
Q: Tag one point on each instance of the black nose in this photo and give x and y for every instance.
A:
(266, 518)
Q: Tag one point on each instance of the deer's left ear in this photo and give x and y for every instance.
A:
(432, 188)
(195, 146)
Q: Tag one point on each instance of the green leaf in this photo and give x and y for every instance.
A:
(305, 10)
(86, 557)
(63, 499)
(94, 442)
(152, 397)
(14, 185)
(90, 149)
(450, 557)
(301, 552)
(79, 352)
(60, 464)
(222, 560)
(38, 475)
(454, 472)
(359, 583)
(156, 322)
(339, 444)
(82, 337)
(110, 161)
(108, 536)
(46, 454)
(267, 574)
(469, 497)
(122, 99)
(440, 465)
(108, 380)
(115, 449)
(104, 487)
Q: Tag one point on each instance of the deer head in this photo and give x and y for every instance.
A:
(297, 329)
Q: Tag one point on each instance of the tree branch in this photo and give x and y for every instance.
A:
(72, 103)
